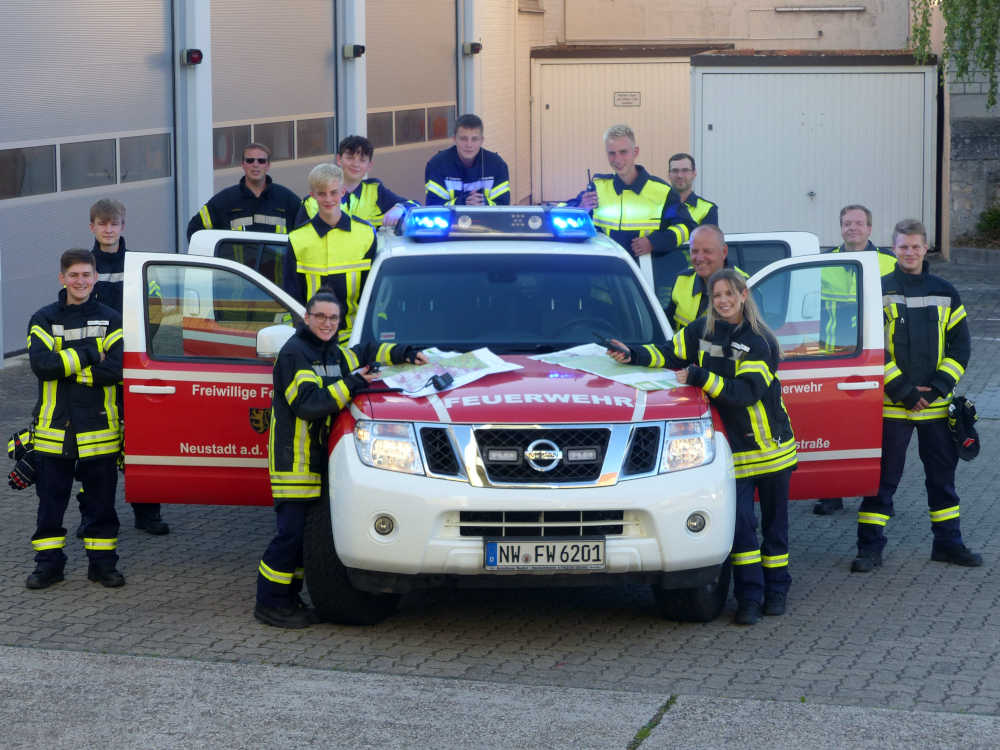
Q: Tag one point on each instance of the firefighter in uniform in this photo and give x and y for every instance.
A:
(839, 295)
(467, 174)
(107, 222)
(927, 351)
(75, 351)
(365, 197)
(255, 204)
(333, 249)
(733, 356)
(689, 298)
(684, 212)
(628, 204)
(313, 381)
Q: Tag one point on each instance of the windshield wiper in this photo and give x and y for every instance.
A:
(527, 348)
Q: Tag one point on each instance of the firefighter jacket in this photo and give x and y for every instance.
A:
(239, 209)
(76, 415)
(448, 181)
(110, 275)
(312, 383)
(926, 343)
(689, 298)
(338, 257)
(839, 285)
(737, 368)
(679, 219)
(369, 201)
(625, 212)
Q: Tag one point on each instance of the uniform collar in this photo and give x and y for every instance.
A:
(321, 227)
(642, 176)
(311, 338)
(84, 307)
(120, 251)
(248, 192)
(870, 246)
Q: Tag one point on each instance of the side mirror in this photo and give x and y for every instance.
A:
(272, 338)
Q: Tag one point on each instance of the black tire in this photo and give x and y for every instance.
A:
(699, 604)
(335, 599)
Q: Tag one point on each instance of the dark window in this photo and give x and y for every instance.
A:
(264, 257)
(27, 171)
(317, 137)
(227, 145)
(410, 126)
(278, 136)
(523, 303)
(754, 255)
(440, 122)
(87, 164)
(380, 129)
(145, 157)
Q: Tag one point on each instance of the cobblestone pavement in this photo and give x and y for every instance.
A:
(912, 635)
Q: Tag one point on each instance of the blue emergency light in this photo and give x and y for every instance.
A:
(430, 223)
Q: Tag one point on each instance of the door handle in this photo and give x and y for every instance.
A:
(861, 385)
(152, 389)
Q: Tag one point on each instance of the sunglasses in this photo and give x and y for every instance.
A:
(259, 160)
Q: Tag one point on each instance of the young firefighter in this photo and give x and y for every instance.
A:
(107, 222)
(927, 351)
(314, 379)
(733, 356)
(365, 197)
(467, 174)
(75, 351)
(332, 249)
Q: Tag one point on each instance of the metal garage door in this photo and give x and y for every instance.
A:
(786, 149)
(574, 102)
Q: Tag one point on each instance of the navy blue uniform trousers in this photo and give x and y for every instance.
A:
(940, 457)
(284, 554)
(767, 571)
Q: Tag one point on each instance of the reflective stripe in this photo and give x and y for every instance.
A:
(265, 219)
(340, 392)
(713, 385)
(775, 561)
(327, 371)
(438, 190)
(656, 356)
(71, 361)
(103, 545)
(745, 558)
(873, 519)
(52, 542)
(301, 377)
(42, 335)
(352, 358)
(766, 461)
(384, 353)
(206, 217)
(944, 514)
(113, 278)
(274, 576)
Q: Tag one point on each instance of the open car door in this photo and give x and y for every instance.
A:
(827, 313)
(197, 393)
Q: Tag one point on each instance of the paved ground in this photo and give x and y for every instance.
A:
(913, 636)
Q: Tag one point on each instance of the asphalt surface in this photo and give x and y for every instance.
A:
(905, 656)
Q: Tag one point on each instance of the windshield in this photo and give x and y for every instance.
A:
(509, 303)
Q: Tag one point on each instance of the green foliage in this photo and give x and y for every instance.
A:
(988, 225)
(971, 37)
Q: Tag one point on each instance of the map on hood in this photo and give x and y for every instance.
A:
(464, 368)
(593, 358)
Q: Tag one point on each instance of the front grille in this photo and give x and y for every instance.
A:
(516, 469)
(548, 523)
(641, 457)
(438, 451)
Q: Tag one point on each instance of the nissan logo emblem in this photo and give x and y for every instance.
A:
(543, 455)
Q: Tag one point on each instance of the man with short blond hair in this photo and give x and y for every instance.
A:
(255, 204)
(333, 249)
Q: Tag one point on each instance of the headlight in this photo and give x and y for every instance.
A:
(687, 444)
(388, 445)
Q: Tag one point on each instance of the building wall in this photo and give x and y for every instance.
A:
(89, 114)
(496, 81)
(883, 24)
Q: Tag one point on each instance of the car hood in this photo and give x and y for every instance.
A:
(539, 393)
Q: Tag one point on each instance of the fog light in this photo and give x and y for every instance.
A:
(696, 522)
(384, 525)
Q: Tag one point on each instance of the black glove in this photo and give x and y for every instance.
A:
(697, 376)
(23, 474)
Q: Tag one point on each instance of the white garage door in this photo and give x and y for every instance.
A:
(574, 102)
(785, 150)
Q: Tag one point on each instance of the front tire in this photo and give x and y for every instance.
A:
(698, 604)
(335, 599)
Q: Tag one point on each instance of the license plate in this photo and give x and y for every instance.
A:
(544, 554)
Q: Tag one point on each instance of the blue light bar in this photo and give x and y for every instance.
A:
(427, 222)
(571, 224)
